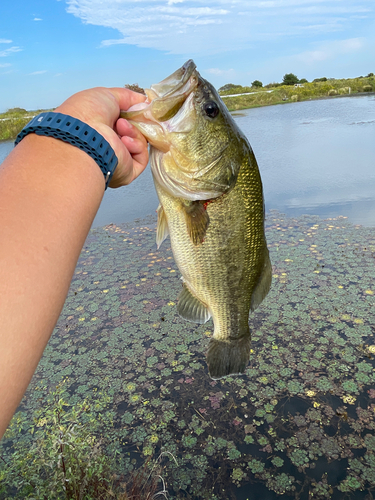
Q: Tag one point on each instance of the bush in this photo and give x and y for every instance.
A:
(367, 88)
(256, 83)
(228, 86)
(10, 127)
(61, 456)
(290, 79)
(272, 85)
(66, 458)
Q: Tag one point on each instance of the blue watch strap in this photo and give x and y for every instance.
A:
(79, 134)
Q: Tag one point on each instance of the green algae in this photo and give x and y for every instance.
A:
(306, 402)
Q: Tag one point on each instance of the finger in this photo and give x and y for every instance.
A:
(127, 98)
(123, 127)
(140, 159)
(133, 159)
(134, 146)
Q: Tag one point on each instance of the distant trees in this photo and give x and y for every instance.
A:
(256, 83)
(135, 88)
(303, 80)
(324, 79)
(290, 79)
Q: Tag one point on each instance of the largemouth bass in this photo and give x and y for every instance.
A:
(211, 204)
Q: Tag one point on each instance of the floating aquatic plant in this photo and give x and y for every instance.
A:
(306, 400)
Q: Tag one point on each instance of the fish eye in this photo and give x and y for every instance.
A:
(211, 109)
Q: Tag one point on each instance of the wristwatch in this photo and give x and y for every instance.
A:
(77, 133)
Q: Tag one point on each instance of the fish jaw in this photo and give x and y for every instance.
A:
(175, 81)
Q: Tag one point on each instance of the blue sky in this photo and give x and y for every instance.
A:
(50, 49)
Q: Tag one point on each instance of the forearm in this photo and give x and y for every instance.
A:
(50, 192)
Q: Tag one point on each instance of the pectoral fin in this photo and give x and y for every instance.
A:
(197, 221)
(191, 308)
(162, 230)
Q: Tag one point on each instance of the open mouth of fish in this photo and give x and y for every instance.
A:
(164, 100)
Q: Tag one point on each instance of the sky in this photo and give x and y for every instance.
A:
(50, 49)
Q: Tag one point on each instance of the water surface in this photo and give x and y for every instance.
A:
(300, 422)
(315, 157)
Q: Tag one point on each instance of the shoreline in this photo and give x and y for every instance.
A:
(232, 109)
(302, 99)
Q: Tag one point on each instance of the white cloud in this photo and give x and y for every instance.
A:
(37, 19)
(204, 27)
(11, 50)
(330, 50)
(4, 40)
(37, 72)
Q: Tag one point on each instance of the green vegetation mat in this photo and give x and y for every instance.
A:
(300, 422)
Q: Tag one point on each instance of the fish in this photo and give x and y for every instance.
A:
(211, 205)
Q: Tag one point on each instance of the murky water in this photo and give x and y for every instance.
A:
(301, 421)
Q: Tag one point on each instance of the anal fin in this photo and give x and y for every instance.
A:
(197, 221)
(191, 308)
(162, 230)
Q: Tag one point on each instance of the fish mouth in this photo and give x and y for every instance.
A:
(173, 83)
(165, 99)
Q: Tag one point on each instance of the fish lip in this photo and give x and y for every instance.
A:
(166, 98)
(175, 81)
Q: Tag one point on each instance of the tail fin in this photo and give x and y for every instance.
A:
(226, 358)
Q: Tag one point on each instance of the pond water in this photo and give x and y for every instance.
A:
(315, 157)
(300, 422)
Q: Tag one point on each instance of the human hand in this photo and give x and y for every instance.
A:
(100, 108)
